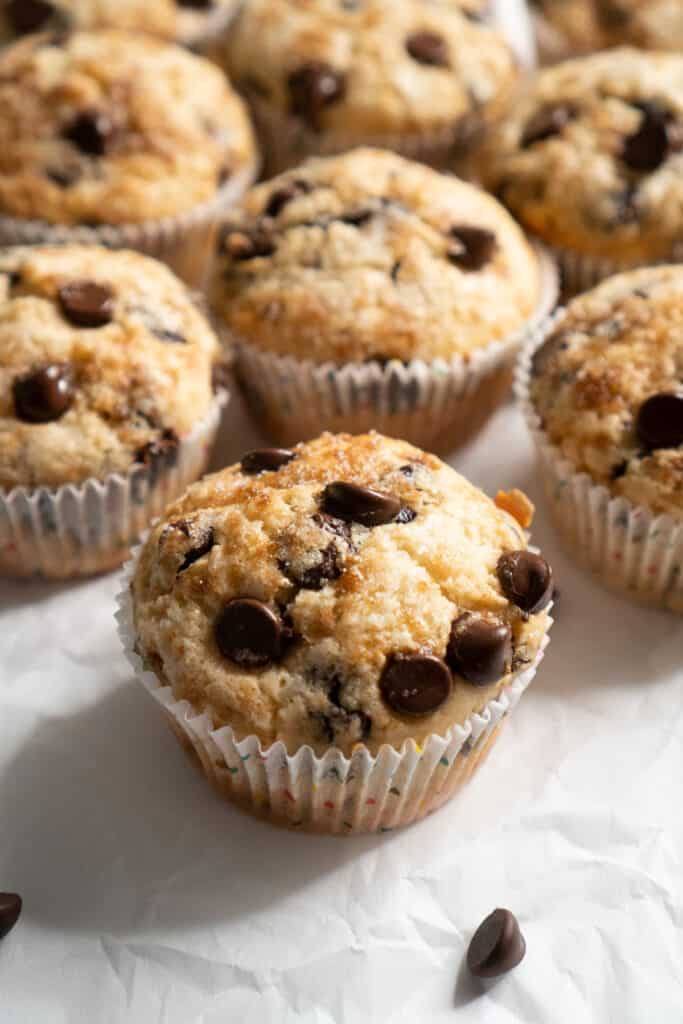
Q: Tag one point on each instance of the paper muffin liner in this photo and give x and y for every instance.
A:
(208, 38)
(332, 793)
(628, 547)
(185, 242)
(580, 271)
(438, 405)
(83, 529)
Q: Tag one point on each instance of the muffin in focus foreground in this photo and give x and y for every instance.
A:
(106, 404)
(338, 630)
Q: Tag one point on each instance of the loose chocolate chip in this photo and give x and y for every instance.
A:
(44, 394)
(313, 87)
(550, 120)
(660, 422)
(10, 909)
(475, 249)
(92, 132)
(241, 246)
(526, 579)
(428, 48)
(657, 136)
(266, 460)
(28, 15)
(86, 303)
(282, 196)
(415, 684)
(360, 504)
(497, 946)
(205, 540)
(479, 649)
(249, 633)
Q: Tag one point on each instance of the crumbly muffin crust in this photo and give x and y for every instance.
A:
(618, 347)
(598, 24)
(108, 127)
(370, 67)
(607, 131)
(370, 256)
(351, 597)
(123, 391)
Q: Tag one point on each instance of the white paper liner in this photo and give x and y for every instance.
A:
(624, 544)
(82, 529)
(437, 406)
(184, 242)
(333, 793)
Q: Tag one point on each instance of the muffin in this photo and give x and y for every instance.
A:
(337, 629)
(368, 291)
(607, 131)
(106, 404)
(119, 139)
(582, 26)
(604, 398)
(419, 76)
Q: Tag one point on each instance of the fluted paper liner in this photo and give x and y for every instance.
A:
(81, 529)
(628, 547)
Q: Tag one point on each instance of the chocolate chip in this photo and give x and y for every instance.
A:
(249, 633)
(657, 136)
(313, 87)
(282, 196)
(93, 132)
(241, 246)
(497, 946)
(10, 909)
(415, 684)
(618, 470)
(266, 460)
(660, 422)
(162, 451)
(316, 576)
(196, 5)
(475, 249)
(550, 120)
(428, 48)
(526, 579)
(479, 648)
(360, 504)
(357, 218)
(28, 15)
(44, 394)
(205, 540)
(63, 177)
(86, 303)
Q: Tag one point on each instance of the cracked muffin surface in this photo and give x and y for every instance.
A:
(370, 256)
(608, 386)
(104, 363)
(113, 128)
(598, 24)
(351, 590)
(607, 131)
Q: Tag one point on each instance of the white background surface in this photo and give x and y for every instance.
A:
(147, 899)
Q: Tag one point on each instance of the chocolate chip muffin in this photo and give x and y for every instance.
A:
(371, 261)
(582, 26)
(105, 372)
(420, 76)
(351, 591)
(607, 131)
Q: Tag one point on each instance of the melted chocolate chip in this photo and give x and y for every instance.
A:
(282, 196)
(526, 579)
(205, 540)
(266, 460)
(313, 87)
(497, 946)
(10, 909)
(316, 576)
(86, 303)
(428, 48)
(550, 120)
(660, 421)
(657, 136)
(475, 249)
(479, 649)
(249, 633)
(28, 15)
(93, 132)
(44, 394)
(360, 504)
(415, 684)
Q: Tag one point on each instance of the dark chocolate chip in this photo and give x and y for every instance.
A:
(205, 540)
(526, 579)
(44, 394)
(316, 576)
(619, 470)
(657, 136)
(475, 249)
(415, 684)
(93, 132)
(162, 451)
(313, 87)
(480, 649)
(497, 946)
(265, 460)
(357, 218)
(10, 909)
(660, 422)
(28, 15)
(282, 196)
(249, 633)
(241, 246)
(428, 48)
(360, 504)
(196, 5)
(86, 303)
(550, 120)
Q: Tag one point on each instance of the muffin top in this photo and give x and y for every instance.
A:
(598, 24)
(104, 363)
(107, 127)
(370, 256)
(173, 19)
(608, 386)
(370, 66)
(352, 590)
(607, 131)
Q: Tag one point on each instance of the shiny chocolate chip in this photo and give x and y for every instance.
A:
(415, 684)
(10, 910)
(249, 633)
(428, 48)
(265, 460)
(657, 136)
(44, 394)
(479, 649)
(86, 303)
(526, 579)
(362, 505)
(28, 15)
(93, 132)
(475, 247)
(550, 120)
(660, 421)
(497, 946)
(313, 87)
(284, 195)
